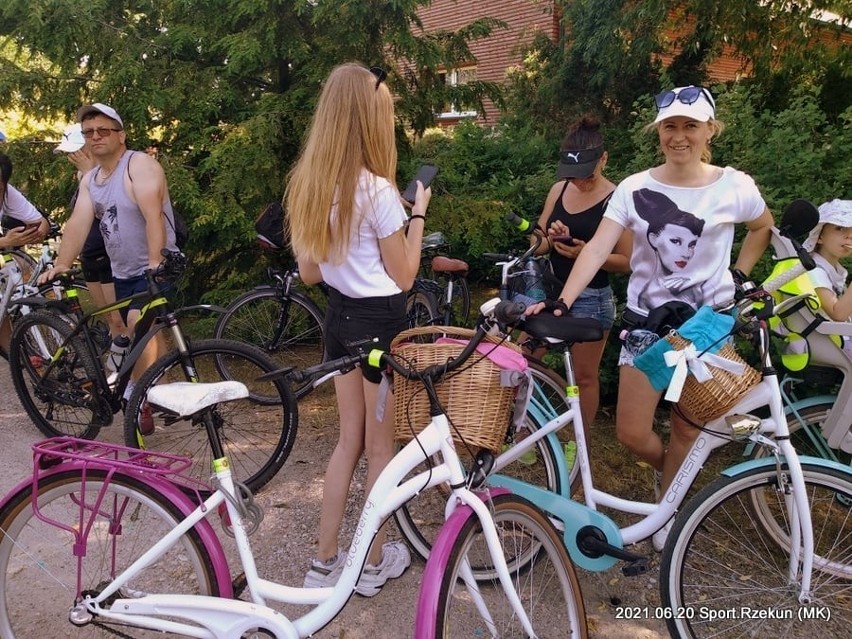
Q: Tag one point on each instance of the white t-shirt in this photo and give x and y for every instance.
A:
(378, 214)
(826, 275)
(682, 237)
(15, 205)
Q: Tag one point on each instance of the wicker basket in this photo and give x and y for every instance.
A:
(474, 401)
(708, 400)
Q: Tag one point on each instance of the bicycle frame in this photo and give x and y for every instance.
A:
(224, 617)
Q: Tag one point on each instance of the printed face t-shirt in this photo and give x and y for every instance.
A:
(682, 237)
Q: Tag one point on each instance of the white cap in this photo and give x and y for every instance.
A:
(72, 139)
(2, 136)
(702, 110)
(103, 109)
(837, 212)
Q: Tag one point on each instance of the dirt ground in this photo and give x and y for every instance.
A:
(286, 539)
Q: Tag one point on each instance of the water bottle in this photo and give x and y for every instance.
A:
(117, 351)
(638, 340)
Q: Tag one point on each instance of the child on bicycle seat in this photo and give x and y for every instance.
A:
(829, 242)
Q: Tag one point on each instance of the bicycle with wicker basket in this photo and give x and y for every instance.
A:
(768, 533)
(117, 543)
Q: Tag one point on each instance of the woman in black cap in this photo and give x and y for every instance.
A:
(686, 182)
(571, 214)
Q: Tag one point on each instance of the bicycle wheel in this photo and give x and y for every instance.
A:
(421, 309)
(548, 401)
(57, 386)
(257, 434)
(724, 577)
(288, 329)
(540, 569)
(420, 519)
(38, 567)
(460, 305)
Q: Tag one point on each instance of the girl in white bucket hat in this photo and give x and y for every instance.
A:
(831, 241)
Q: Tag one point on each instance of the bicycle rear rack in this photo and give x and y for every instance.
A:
(49, 452)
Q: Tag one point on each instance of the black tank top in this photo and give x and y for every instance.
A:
(582, 226)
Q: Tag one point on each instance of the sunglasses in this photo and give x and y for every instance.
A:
(102, 132)
(688, 95)
(381, 75)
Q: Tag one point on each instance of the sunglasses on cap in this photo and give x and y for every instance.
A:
(687, 95)
(381, 75)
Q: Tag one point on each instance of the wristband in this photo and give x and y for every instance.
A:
(417, 216)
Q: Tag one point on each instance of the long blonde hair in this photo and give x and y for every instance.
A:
(352, 129)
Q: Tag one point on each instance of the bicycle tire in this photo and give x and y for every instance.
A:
(67, 403)
(421, 309)
(26, 262)
(39, 569)
(289, 330)
(718, 561)
(460, 306)
(543, 575)
(257, 434)
(548, 401)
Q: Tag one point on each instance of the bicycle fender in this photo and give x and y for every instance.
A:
(746, 466)
(801, 404)
(210, 308)
(172, 493)
(427, 601)
(574, 516)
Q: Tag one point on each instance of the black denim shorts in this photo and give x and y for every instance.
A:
(349, 321)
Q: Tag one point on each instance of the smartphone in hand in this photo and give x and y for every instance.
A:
(563, 239)
(425, 174)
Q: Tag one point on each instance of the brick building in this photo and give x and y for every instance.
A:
(525, 19)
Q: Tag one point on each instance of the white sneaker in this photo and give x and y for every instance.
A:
(395, 559)
(324, 574)
(659, 537)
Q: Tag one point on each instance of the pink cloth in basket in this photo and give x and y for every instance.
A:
(505, 358)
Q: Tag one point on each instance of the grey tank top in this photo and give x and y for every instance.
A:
(122, 223)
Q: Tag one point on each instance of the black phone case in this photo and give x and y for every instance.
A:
(425, 174)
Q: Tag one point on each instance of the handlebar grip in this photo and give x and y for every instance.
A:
(518, 222)
(772, 285)
(496, 257)
(341, 363)
(507, 312)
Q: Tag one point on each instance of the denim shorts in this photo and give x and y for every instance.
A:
(133, 285)
(350, 319)
(596, 303)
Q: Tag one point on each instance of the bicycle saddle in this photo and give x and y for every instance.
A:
(433, 239)
(444, 264)
(547, 326)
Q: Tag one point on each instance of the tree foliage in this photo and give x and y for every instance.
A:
(222, 89)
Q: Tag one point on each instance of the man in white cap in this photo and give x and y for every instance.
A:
(127, 193)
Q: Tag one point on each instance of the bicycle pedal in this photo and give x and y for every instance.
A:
(637, 567)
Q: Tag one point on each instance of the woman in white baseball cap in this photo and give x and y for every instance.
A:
(695, 258)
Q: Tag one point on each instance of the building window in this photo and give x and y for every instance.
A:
(453, 78)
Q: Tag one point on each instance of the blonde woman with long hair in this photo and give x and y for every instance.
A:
(348, 228)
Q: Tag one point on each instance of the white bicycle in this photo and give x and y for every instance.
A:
(114, 541)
